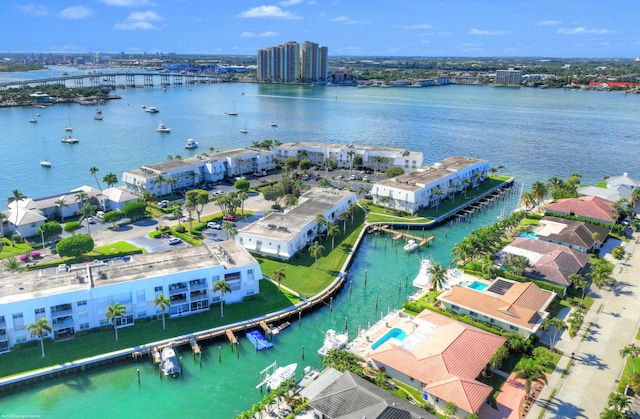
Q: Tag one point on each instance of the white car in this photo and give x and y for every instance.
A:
(63, 268)
(214, 225)
(100, 214)
(90, 220)
(174, 240)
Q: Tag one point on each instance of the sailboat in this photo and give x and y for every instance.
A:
(45, 162)
(232, 112)
(244, 130)
(68, 128)
(33, 120)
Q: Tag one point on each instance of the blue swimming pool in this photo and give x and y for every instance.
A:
(393, 333)
(478, 286)
(532, 235)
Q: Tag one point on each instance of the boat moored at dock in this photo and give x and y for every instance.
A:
(333, 340)
(170, 364)
(280, 375)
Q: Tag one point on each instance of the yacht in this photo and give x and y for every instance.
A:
(45, 162)
(244, 130)
(273, 124)
(98, 115)
(162, 128)
(411, 245)
(424, 277)
(68, 139)
(68, 128)
(191, 143)
(333, 340)
(280, 375)
(152, 109)
(170, 363)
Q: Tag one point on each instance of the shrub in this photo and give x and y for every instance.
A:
(181, 229)
(618, 252)
(16, 237)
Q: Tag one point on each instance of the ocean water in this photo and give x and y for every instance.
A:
(535, 134)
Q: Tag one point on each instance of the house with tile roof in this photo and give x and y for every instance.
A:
(550, 262)
(577, 235)
(617, 188)
(589, 207)
(344, 395)
(443, 357)
(513, 306)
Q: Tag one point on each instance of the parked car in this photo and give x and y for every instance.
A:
(100, 214)
(229, 218)
(174, 240)
(163, 204)
(63, 268)
(214, 225)
(90, 220)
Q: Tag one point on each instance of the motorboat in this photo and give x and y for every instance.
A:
(333, 340)
(273, 124)
(98, 115)
(280, 375)
(410, 246)
(152, 109)
(170, 364)
(68, 139)
(162, 128)
(191, 143)
(424, 277)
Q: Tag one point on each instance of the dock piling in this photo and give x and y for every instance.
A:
(220, 354)
(303, 352)
(138, 376)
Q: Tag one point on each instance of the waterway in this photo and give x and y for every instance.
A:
(535, 134)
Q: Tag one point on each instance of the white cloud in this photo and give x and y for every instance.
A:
(484, 32)
(287, 3)
(347, 21)
(33, 10)
(268, 12)
(139, 20)
(258, 35)
(550, 22)
(339, 19)
(414, 27)
(128, 3)
(75, 12)
(583, 31)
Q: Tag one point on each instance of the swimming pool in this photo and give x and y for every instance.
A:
(532, 235)
(478, 286)
(393, 333)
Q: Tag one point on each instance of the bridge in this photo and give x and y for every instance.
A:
(121, 80)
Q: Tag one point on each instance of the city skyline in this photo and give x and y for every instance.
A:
(456, 28)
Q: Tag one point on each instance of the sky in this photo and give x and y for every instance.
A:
(424, 28)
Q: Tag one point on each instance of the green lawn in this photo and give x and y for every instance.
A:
(142, 332)
(117, 248)
(9, 250)
(300, 272)
(632, 363)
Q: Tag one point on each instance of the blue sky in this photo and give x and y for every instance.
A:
(433, 28)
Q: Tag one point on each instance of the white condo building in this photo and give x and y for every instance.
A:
(418, 189)
(76, 298)
(510, 76)
(373, 157)
(194, 170)
(284, 234)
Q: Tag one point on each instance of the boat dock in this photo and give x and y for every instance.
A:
(397, 235)
(280, 327)
(194, 347)
(232, 338)
(266, 328)
(258, 341)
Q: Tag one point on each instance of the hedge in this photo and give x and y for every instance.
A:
(418, 307)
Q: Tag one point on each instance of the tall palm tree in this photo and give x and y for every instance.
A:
(94, 171)
(162, 302)
(60, 203)
(159, 180)
(278, 275)
(177, 213)
(332, 231)
(224, 287)
(110, 179)
(16, 197)
(558, 325)
(579, 282)
(528, 200)
(321, 221)
(344, 216)
(351, 153)
(38, 329)
(114, 312)
(86, 212)
(81, 197)
(530, 371)
(316, 251)
(462, 252)
(540, 191)
(630, 350)
(438, 275)
(618, 401)
(171, 182)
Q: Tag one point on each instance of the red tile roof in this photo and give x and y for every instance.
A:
(592, 207)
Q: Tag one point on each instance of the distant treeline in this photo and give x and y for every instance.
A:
(13, 67)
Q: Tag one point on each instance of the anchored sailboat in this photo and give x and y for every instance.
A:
(45, 162)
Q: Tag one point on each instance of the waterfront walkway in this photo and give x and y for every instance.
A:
(583, 391)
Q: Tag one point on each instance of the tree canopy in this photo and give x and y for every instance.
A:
(394, 171)
(49, 229)
(134, 209)
(75, 246)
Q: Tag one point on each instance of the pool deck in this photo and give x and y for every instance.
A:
(363, 343)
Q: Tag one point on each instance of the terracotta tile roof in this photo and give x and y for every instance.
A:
(576, 233)
(592, 207)
(449, 352)
(522, 305)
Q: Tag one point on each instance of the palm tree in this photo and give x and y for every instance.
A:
(528, 200)
(540, 191)
(148, 198)
(86, 212)
(171, 182)
(320, 221)
(81, 197)
(529, 370)
(224, 287)
(110, 179)
(461, 252)
(278, 275)
(60, 203)
(351, 153)
(316, 251)
(332, 231)
(2, 218)
(162, 302)
(618, 401)
(159, 180)
(177, 213)
(579, 282)
(94, 171)
(16, 197)
(438, 275)
(12, 264)
(558, 325)
(437, 193)
(227, 225)
(38, 329)
(344, 216)
(113, 313)
(630, 350)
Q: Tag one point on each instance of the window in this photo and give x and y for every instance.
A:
(473, 314)
(140, 296)
(454, 307)
(514, 328)
(158, 289)
(250, 271)
(18, 322)
(83, 314)
(492, 321)
(81, 303)
(84, 326)
(142, 314)
(39, 312)
(21, 339)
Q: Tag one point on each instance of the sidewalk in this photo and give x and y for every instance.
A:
(583, 392)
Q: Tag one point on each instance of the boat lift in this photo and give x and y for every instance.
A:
(266, 374)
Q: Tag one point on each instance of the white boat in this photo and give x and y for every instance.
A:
(170, 363)
(68, 128)
(98, 115)
(232, 112)
(162, 128)
(191, 143)
(45, 162)
(333, 340)
(273, 124)
(280, 375)
(411, 245)
(33, 120)
(424, 278)
(68, 139)
(244, 130)
(152, 109)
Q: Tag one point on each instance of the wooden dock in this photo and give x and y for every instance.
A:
(232, 338)
(280, 327)
(265, 327)
(399, 234)
(194, 346)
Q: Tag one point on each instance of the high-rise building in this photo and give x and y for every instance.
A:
(510, 76)
(290, 63)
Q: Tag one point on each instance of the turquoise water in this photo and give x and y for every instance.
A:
(532, 235)
(535, 134)
(393, 333)
(478, 286)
